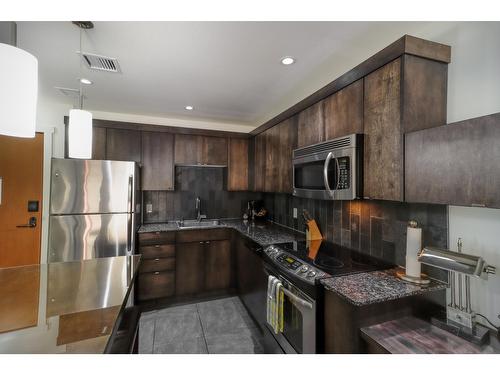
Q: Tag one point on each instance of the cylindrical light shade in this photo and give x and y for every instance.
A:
(18, 91)
(80, 134)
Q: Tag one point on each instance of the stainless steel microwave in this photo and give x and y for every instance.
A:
(330, 170)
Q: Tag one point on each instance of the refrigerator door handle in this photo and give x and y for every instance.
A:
(130, 215)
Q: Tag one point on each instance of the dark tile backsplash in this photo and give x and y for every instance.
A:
(374, 227)
(191, 182)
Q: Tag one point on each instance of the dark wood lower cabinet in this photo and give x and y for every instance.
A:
(218, 265)
(190, 268)
(159, 284)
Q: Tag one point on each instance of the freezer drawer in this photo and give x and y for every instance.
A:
(92, 186)
(77, 237)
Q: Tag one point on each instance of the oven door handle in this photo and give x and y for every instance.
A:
(297, 300)
(325, 173)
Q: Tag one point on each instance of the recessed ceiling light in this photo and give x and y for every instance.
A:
(85, 81)
(287, 60)
(189, 107)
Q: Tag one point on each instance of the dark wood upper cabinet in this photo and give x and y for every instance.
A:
(456, 164)
(405, 95)
(218, 265)
(344, 111)
(271, 177)
(214, 151)
(190, 268)
(98, 143)
(287, 143)
(198, 149)
(157, 161)
(188, 149)
(259, 161)
(123, 144)
(383, 162)
(311, 126)
(237, 179)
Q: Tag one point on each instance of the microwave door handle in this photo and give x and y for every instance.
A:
(325, 173)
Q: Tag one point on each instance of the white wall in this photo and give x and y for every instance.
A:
(473, 91)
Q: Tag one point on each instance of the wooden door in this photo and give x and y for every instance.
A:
(21, 171)
(344, 111)
(123, 144)
(383, 156)
(218, 265)
(311, 127)
(188, 149)
(259, 161)
(190, 268)
(157, 161)
(237, 176)
(214, 151)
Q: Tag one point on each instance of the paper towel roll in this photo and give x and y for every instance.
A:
(413, 240)
(413, 246)
(413, 266)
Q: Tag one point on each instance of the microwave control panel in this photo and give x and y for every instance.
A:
(344, 177)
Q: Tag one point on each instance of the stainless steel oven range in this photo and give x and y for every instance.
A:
(330, 170)
(300, 267)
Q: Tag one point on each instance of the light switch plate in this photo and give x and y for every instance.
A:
(149, 208)
(295, 212)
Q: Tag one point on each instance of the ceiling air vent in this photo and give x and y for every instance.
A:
(103, 63)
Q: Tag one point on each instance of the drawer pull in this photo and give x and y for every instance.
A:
(157, 246)
(207, 241)
(157, 273)
(201, 241)
(157, 233)
(157, 259)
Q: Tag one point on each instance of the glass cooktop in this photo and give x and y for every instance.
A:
(333, 259)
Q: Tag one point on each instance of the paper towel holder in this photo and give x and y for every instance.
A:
(423, 280)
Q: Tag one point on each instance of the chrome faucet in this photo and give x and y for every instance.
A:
(199, 216)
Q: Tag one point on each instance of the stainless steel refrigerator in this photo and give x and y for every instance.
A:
(94, 209)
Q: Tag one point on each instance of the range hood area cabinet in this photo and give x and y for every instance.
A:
(455, 164)
(198, 149)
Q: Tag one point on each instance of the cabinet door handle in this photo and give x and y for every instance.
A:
(207, 241)
(157, 259)
(157, 273)
(201, 241)
(157, 246)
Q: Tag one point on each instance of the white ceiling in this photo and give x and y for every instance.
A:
(229, 71)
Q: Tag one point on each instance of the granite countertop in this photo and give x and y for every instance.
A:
(377, 286)
(410, 335)
(264, 233)
(67, 307)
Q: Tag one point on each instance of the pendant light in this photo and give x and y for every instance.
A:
(18, 92)
(80, 121)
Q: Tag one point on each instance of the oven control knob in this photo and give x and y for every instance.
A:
(311, 274)
(304, 269)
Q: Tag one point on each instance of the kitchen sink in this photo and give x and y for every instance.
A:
(188, 224)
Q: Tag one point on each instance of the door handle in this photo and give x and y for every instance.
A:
(31, 223)
(325, 174)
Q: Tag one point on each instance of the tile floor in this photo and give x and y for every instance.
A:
(220, 326)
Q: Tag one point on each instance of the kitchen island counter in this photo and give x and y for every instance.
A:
(67, 307)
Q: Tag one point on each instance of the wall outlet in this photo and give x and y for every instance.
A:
(149, 208)
(295, 212)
